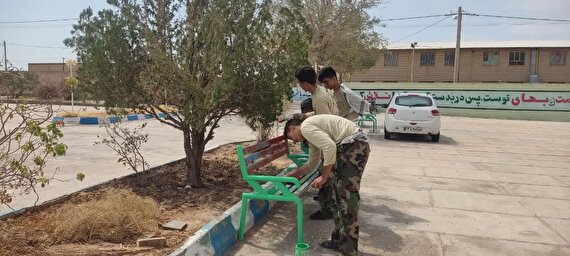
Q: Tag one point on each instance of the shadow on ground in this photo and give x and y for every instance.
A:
(277, 234)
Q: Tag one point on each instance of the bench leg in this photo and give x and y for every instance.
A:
(299, 220)
(244, 198)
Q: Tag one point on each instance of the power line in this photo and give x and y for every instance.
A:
(36, 21)
(431, 25)
(417, 17)
(34, 26)
(515, 17)
(37, 46)
(485, 25)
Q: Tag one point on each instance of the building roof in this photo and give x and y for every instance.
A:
(47, 63)
(482, 44)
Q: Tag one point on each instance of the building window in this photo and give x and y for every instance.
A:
(491, 58)
(391, 59)
(427, 59)
(516, 58)
(449, 58)
(557, 57)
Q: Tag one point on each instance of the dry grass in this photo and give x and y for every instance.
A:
(120, 215)
(83, 114)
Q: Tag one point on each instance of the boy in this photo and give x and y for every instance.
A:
(350, 105)
(322, 103)
(345, 150)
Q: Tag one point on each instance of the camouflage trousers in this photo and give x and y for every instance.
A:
(326, 193)
(351, 160)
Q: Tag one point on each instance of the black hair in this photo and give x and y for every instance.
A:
(291, 122)
(306, 74)
(307, 105)
(327, 72)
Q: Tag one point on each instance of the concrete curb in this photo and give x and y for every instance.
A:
(104, 120)
(220, 234)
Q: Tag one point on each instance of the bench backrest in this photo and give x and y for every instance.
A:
(256, 156)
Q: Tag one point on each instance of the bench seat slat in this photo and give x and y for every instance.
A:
(263, 144)
(268, 159)
(259, 154)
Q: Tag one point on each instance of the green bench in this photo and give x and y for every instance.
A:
(274, 188)
(368, 118)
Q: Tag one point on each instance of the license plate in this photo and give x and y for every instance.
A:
(412, 129)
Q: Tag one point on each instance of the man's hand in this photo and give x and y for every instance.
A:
(319, 182)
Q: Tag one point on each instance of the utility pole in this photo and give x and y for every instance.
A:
(5, 58)
(70, 64)
(414, 44)
(457, 46)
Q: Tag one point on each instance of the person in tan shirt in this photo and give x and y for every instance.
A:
(345, 150)
(350, 105)
(322, 103)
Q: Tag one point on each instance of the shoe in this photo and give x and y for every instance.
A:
(331, 245)
(319, 215)
(316, 198)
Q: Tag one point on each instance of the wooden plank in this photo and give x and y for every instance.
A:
(268, 159)
(256, 147)
(277, 139)
(262, 145)
(260, 154)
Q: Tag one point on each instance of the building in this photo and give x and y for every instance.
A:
(51, 74)
(487, 62)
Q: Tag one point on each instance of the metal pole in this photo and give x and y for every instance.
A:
(414, 44)
(457, 46)
(5, 58)
(412, 74)
(70, 76)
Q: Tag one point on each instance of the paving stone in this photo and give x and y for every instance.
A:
(152, 242)
(175, 225)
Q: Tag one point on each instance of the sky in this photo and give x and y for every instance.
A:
(22, 39)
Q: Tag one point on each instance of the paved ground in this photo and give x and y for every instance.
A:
(99, 163)
(490, 187)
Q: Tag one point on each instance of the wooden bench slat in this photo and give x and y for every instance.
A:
(260, 154)
(256, 147)
(263, 145)
(271, 157)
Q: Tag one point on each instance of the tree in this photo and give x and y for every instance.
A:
(207, 59)
(343, 34)
(14, 83)
(127, 144)
(26, 145)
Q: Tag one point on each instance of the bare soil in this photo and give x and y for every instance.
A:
(30, 233)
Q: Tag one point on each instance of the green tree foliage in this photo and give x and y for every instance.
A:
(26, 145)
(14, 83)
(343, 34)
(207, 59)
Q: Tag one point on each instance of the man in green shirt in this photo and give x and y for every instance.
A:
(345, 150)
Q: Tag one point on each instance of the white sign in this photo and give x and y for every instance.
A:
(521, 100)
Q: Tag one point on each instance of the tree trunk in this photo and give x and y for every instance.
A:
(194, 149)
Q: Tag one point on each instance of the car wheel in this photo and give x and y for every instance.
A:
(435, 138)
(386, 134)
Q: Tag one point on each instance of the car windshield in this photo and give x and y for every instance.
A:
(413, 101)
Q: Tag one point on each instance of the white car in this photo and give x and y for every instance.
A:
(412, 113)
